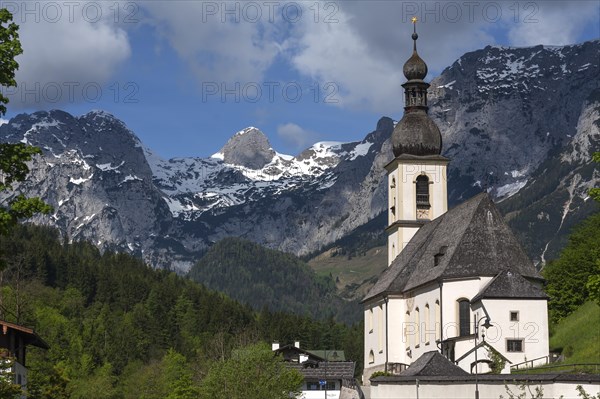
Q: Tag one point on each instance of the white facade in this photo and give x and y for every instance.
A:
(404, 217)
(530, 328)
(398, 330)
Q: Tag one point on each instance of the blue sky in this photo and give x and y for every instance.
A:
(186, 75)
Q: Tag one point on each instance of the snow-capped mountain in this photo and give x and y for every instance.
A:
(503, 110)
(107, 188)
(507, 117)
(246, 169)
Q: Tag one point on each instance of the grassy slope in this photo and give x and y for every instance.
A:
(579, 335)
(353, 276)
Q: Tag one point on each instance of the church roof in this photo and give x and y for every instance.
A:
(432, 364)
(470, 240)
(416, 134)
(325, 370)
(509, 285)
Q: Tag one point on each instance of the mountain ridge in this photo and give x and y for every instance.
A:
(120, 195)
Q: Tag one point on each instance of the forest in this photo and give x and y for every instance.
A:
(111, 322)
(266, 278)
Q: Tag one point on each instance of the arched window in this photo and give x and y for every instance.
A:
(406, 324)
(371, 357)
(417, 327)
(427, 324)
(437, 320)
(423, 192)
(380, 327)
(464, 317)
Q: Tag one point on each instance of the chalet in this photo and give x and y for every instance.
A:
(14, 340)
(326, 373)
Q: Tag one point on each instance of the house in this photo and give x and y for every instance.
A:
(14, 340)
(458, 282)
(326, 373)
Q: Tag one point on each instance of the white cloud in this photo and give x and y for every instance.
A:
(3, 121)
(296, 136)
(554, 23)
(64, 50)
(214, 46)
(363, 54)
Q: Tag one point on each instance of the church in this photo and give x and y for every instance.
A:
(458, 282)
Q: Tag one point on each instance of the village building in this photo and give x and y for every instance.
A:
(14, 340)
(458, 282)
(326, 373)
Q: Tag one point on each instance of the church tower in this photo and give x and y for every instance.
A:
(417, 175)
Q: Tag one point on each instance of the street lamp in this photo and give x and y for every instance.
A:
(487, 325)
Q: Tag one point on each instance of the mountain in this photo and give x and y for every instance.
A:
(521, 123)
(269, 279)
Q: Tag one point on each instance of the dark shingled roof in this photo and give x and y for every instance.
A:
(432, 363)
(416, 134)
(333, 370)
(475, 241)
(510, 285)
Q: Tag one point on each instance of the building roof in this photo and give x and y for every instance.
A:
(509, 285)
(416, 134)
(330, 355)
(470, 240)
(325, 370)
(433, 364)
(292, 353)
(30, 337)
(481, 345)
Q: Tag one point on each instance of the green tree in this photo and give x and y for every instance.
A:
(13, 157)
(568, 276)
(10, 48)
(8, 389)
(177, 376)
(595, 191)
(251, 373)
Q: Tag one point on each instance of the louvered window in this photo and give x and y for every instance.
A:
(423, 192)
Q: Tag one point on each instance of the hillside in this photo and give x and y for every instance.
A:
(111, 321)
(583, 324)
(266, 278)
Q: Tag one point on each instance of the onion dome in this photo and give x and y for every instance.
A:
(415, 67)
(416, 133)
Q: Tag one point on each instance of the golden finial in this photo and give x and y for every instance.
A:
(414, 35)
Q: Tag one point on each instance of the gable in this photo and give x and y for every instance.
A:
(470, 240)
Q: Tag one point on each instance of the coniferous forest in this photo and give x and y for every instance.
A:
(266, 278)
(120, 329)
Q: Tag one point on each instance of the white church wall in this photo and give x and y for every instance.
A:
(422, 334)
(397, 309)
(530, 327)
(452, 291)
(374, 333)
(466, 389)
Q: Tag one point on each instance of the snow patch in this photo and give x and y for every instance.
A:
(360, 150)
(80, 180)
(108, 166)
(508, 190)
